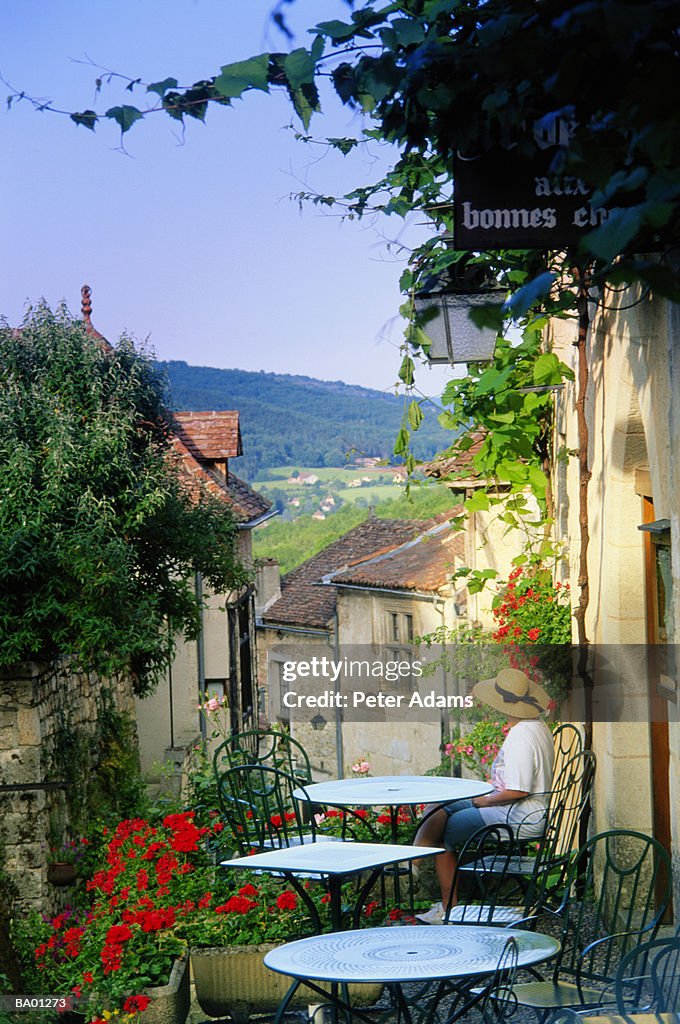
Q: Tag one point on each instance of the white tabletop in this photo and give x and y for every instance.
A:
(330, 858)
(404, 954)
(392, 790)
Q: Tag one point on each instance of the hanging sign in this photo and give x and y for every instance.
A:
(505, 200)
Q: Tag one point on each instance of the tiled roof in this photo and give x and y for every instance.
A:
(246, 504)
(305, 602)
(425, 564)
(459, 466)
(210, 436)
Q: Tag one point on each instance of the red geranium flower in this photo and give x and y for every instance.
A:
(136, 1004)
(236, 905)
(286, 900)
(118, 933)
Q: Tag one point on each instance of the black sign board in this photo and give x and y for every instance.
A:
(503, 200)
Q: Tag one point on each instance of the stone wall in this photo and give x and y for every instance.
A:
(40, 709)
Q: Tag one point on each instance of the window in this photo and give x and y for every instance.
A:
(399, 632)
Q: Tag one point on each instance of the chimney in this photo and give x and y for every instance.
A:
(267, 585)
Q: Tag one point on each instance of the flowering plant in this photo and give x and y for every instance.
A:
(257, 910)
(532, 609)
(478, 748)
(71, 851)
(367, 825)
(361, 766)
(146, 884)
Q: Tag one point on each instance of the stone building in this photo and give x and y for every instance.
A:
(363, 598)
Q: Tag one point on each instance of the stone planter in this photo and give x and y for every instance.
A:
(233, 981)
(169, 1003)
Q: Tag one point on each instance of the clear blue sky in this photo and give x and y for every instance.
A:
(192, 243)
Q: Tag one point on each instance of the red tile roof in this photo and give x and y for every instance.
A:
(424, 564)
(246, 504)
(210, 436)
(305, 601)
(458, 466)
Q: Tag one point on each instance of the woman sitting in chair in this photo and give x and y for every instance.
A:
(522, 771)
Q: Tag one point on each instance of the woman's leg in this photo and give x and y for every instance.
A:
(437, 821)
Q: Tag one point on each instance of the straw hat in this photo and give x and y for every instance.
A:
(512, 693)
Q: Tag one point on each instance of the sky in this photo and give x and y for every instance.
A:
(192, 241)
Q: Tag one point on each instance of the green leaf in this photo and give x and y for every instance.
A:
(344, 145)
(243, 74)
(523, 299)
(407, 371)
(537, 480)
(618, 230)
(402, 441)
(447, 420)
(338, 31)
(305, 101)
(547, 369)
(87, 118)
(479, 502)
(299, 66)
(162, 87)
(124, 116)
(415, 415)
(408, 31)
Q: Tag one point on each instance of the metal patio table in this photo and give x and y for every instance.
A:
(455, 956)
(335, 862)
(393, 791)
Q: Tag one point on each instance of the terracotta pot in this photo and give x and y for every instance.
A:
(61, 873)
(233, 981)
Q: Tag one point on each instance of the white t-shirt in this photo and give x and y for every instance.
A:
(524, 763)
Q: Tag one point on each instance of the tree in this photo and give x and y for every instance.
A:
(99, 536)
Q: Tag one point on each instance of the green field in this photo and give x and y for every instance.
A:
(293, 541)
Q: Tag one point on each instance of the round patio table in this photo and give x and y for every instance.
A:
(392, 791)
(399, 955)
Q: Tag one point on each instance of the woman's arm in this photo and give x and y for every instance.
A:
(499, 796)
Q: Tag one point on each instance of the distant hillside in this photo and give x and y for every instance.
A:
(289, 420)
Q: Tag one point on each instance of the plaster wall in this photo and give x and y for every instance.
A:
(633, 413)
(395, 746)
(490, 545)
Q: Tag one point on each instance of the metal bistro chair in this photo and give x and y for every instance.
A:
(543, 874)
(499, 1002)
(648, 978)
(568, 739)
(491, 897)
(271, 747)
(260, 810)
(495, 1001)
(605, 913)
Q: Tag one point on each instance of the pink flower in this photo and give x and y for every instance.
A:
(361, 767)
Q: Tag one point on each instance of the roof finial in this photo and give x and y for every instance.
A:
(86, 303)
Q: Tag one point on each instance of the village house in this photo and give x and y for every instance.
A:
(222, 660)
(366, 596)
